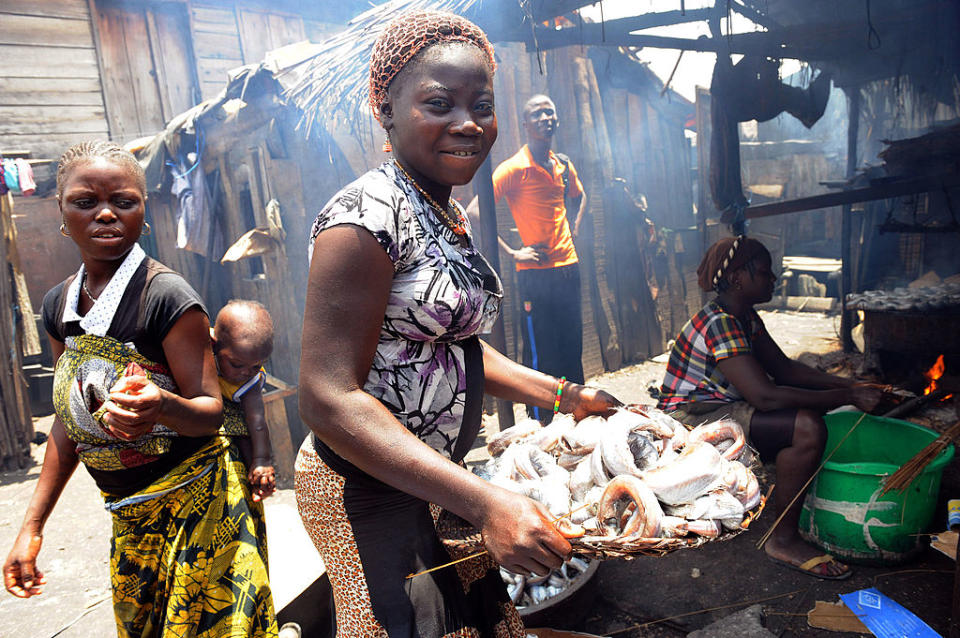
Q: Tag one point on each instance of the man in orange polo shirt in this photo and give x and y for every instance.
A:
(536, 183)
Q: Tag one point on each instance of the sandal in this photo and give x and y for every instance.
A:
(810, 567)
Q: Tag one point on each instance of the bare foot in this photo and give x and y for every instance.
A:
(795, 552)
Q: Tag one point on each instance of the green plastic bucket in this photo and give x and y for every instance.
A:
(844, 513)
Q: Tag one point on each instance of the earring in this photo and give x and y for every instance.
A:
(63, 230)
(146, 229)
(387, 147)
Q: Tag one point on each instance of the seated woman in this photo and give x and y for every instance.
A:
(724, 363)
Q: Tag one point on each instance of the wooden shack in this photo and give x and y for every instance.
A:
(899, 70)
(121, 69)
(261, 179)
(254, 153)
(95, 69)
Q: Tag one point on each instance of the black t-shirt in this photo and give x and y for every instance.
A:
(143, 317)
(154, 300)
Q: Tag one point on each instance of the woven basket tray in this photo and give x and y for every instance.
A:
(462, 538)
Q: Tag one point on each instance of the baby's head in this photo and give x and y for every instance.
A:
(242, 339)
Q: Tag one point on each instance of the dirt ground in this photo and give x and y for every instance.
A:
(661, 597)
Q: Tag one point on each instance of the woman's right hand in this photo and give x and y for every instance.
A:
(866, 396)
(519, 534)
(20, 574)
(134, 407)
(262, 479)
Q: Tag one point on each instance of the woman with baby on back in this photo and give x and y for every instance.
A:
(138, 403)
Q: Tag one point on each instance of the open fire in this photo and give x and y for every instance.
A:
(933, 375)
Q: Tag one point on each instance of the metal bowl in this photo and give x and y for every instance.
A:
(567, 607)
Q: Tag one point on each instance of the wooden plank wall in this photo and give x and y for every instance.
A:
(131, 77)
(50, 93)
(801, 175)
(225, 37)
(216, 41)
(608, 132)
(168, 26)
(261, 32)
(129, 86)
(47, 256)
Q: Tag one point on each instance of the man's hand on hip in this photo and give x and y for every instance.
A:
(527, 254)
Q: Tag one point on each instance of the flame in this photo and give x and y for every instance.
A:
(935, 372)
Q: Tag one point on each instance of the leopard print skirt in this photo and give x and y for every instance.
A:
(371, 536)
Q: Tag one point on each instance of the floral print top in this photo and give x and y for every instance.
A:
(443, 293)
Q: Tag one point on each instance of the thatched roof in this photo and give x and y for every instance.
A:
(333, 85)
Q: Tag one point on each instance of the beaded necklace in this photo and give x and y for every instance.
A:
(458, 225)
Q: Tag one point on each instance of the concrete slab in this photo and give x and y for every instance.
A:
(294, 561)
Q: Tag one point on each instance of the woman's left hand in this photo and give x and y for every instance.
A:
(582, 401)
(133, 408)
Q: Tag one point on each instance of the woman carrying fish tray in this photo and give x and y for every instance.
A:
(637, 482)
(725, 367)
(393, 372)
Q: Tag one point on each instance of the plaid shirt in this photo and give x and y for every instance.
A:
(711, 336)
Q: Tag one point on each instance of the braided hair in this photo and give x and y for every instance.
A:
(408, 34)
(726, 260)
(726, 256)
(91, 150)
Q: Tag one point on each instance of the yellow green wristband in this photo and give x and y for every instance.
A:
(556, 401)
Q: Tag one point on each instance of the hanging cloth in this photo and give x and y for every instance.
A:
(25, 175)
(11, 176)
(194, 214)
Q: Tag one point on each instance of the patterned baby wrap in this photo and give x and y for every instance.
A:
(89, 366)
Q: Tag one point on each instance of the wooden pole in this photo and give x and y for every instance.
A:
(488, 231)
(882, 190)
(853, 130)
(955, 609)
(757, 43)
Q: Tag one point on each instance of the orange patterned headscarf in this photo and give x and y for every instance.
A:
(410, 33)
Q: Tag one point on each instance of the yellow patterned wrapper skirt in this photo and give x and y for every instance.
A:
(189, 553)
